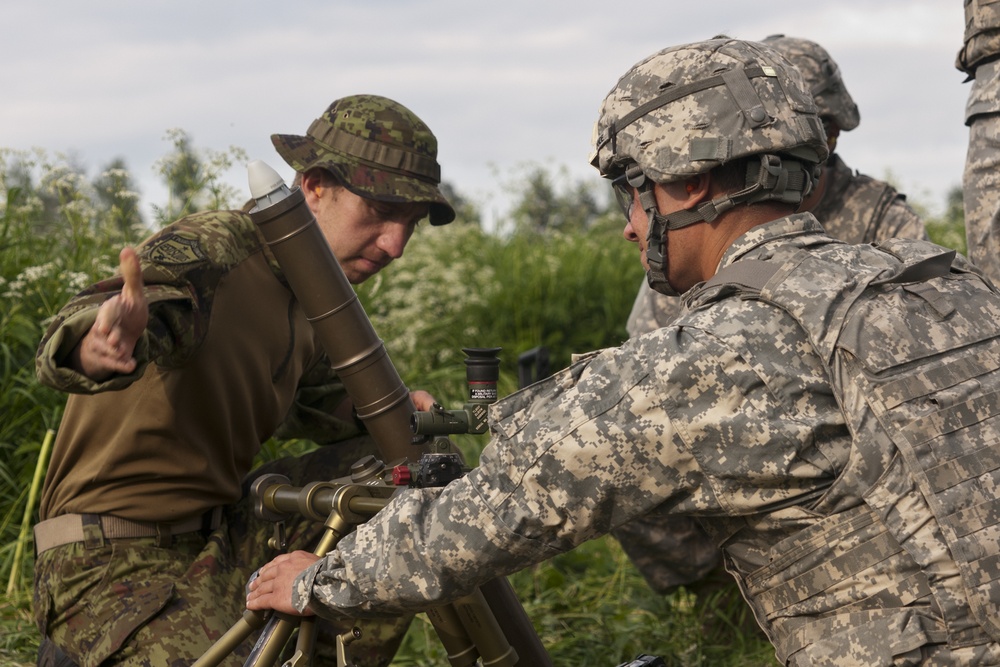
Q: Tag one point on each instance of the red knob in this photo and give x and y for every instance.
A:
(401, 475)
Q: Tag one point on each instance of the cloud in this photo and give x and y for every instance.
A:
(501, 84)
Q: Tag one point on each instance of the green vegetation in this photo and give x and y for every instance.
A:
(555, 274)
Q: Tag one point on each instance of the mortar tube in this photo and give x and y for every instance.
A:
(329, 302)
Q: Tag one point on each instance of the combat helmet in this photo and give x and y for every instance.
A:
(822, 77)
(690, 108)
(377, 148)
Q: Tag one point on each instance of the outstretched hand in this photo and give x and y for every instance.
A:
(272, 587)
(109, 346)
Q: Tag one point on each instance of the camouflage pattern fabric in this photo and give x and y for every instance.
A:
(981, 42)
(860, 209)
(691, 128)
(669, 550)
(978, 58)
(822, 75)
(131, 602)
(377, 148)
(981, 178)
(910, 333)
(855, 208)
(728, 416)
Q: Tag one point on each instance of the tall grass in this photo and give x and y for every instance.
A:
(53, 242)
(458, 286)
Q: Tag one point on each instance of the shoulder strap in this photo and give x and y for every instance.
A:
(750, 274)
(753, 274)
(932, 266)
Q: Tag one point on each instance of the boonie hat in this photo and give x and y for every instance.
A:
(378, 149)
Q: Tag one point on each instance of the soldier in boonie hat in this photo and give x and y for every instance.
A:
(368, 172)
(377, 149)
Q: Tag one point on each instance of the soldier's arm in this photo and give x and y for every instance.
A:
(569, 459)
(181, 266)
(174, 328)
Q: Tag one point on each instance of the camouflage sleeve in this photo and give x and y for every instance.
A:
(181, 266)
(570, 458)
(675, 419)
(65, 333)
(981, 40)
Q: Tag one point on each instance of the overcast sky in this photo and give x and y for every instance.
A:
(502, 84)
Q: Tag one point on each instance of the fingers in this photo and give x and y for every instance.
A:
(107, 315)
(272, 587)
(123, 318)
(132, 273)
(259, 586)
(422, 400)
(108, 343)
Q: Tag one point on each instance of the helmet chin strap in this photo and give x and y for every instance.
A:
(656, 235)
(656, 242)
(768, 179)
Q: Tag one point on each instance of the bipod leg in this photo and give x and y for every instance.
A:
(243, 628)
(272, 640)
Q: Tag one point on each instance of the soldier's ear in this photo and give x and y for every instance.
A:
(313, 185)
(698, 189)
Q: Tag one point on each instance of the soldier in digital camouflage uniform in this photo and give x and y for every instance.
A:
(179, 368)
(979, 58)
(852, 207)
(827, 411)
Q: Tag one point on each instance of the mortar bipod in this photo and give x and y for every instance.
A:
(468, 628)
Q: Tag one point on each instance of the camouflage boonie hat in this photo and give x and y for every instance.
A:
(687, 109)
(378, 149)
(822, 77)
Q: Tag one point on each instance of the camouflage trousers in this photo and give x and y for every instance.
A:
(132, 602)
(981, 193)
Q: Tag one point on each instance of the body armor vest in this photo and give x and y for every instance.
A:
(907, 549)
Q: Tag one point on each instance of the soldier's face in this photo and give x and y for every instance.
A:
(636, 224)
(364, 234)
(670, 198)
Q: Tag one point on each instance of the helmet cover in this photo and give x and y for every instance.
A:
(687, 109)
